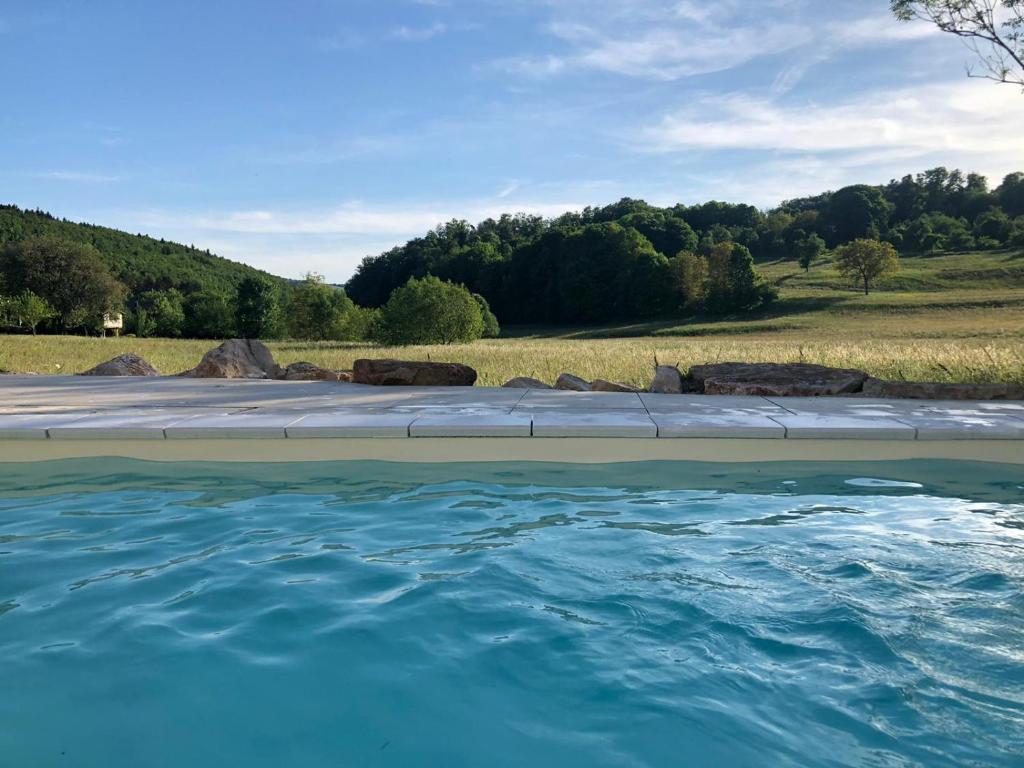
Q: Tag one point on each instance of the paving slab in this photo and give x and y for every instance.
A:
(830, 426)
(590, 401)
(964, 424)
(353, 422)
(33, 426)
(474, 424)
(723, 424)
(124, 424)
(602, 423)
(709, 404)
(247, 424)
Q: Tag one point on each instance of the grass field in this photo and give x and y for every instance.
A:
(955, 317)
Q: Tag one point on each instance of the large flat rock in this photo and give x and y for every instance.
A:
(776, 379)
(932, 390)
(406, 373)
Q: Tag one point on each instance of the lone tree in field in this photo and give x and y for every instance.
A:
(864, 261)
(992, 29)
(809, 249)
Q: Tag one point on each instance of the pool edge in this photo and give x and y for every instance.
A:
(568, 450)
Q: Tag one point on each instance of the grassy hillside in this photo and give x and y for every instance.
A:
(142, 263)
(963, 321)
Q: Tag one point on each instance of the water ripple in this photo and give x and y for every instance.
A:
(561, 616)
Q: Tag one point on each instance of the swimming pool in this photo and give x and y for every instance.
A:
(645, 614)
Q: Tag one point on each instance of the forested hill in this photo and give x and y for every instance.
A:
(616, 262)
(142, 263)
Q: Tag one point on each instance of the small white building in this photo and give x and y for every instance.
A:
(113, 321)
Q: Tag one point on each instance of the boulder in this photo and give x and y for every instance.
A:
(776, 379)
(238, 359)
(600, 385)
(932, 390)
(344, 375)
(404, 373)
(667, 380)
(525, 382)
(128, 364)
(309, 372)
(573, 383)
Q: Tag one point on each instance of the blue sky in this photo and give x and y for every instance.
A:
(303, 135)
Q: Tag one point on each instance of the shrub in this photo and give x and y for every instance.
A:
(491, 328)
(429, 311)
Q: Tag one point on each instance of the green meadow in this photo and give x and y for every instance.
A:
(952, 317)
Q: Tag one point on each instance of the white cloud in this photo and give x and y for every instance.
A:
(416, 34)
(331, 241)
(665, 40)
(352, 218)
(961, 117)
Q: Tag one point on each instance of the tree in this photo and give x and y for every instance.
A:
(993, 227)
(1011, 194)
(258, 308)
(857, 212)
(691, 274)
(317, 311)
(159, 313)
(71, 277)
(208, 316)
(430, 311)
(808, 250)
(733, 283)
(28, 310)
(864, 261)
(992, 29)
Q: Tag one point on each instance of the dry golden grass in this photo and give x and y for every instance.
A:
(629, 360)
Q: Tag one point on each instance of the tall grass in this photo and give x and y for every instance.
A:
(630, 360)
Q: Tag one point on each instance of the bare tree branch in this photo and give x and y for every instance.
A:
(991, 29)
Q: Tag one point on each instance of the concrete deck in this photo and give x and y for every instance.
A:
(61, 409)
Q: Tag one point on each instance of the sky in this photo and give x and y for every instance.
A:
(304, 135)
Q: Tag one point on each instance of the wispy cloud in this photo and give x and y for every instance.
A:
(418, 34)
(960, 116)
(340, 40)
(78, 176)
(656, 40)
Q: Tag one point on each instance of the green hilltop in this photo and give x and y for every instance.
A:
(140, 262)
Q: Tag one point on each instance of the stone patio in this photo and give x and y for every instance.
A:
(68, 407)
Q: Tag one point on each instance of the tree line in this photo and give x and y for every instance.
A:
(621, 262)
(62, 286)
(632, 260)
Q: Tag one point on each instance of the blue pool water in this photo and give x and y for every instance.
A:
(360, 614)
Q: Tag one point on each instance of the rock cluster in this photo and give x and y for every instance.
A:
(250, 359)
(782, 380)
(128, 364)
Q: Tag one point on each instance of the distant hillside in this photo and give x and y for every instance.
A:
(142, 263)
